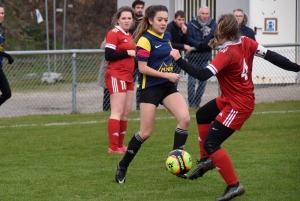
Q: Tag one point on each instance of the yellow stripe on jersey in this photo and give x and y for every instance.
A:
(144, 81)
(144, 43)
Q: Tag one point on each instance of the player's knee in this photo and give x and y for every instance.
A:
(184, 122)
(202, 117)
(211, 147)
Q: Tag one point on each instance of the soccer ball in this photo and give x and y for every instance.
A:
(178, 162)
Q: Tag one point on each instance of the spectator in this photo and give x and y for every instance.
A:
(179, 35)
(138, 8)
(242, 19)
(4, 85)
(201, 30)
(221, 117)
(120, 53)
(158, 85)
(101, 82)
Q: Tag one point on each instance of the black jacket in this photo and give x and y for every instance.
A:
(178, 39)
(246, 31)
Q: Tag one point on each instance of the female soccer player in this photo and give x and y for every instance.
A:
(120, 53)
(4, 85)
(233, 68)
(157, 84)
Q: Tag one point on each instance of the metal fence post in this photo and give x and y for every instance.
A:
(74, 83)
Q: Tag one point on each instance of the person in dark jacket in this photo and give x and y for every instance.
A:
(201, 30)
(242, 19)
(4, 85)
(179, 35)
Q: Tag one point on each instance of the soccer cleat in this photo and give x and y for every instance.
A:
(120, 174)
(123, 148)
(231, 192)
(119, 151)
(202, 168)
(182, 176)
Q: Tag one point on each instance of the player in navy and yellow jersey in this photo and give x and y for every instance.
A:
(157, 85)
(4, 85)
(120, 53)
(221, 117)
(159, 47)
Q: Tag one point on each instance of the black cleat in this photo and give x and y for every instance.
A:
(182, 176)
(231, 192)
(202, 168)
(120, 174)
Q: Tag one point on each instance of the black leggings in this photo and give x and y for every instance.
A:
(218, 133)
(4, 88)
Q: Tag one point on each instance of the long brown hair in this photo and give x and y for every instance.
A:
(117, 15)
(227, 30)
(144, 25)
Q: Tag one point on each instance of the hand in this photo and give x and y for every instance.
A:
(187, 48)
(183, 29)
(175, 54)
(131, 53)
(9, 58)
(173, 77)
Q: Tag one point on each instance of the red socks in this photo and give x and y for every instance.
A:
(123, 127)
(116, 133)
(224, 166)
(113, 127)
(202, 132)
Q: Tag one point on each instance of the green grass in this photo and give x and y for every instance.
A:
(68, 161)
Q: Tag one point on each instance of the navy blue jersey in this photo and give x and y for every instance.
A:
(1, 48)
(155, 50)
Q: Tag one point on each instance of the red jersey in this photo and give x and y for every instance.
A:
(233, 68)
(119, 40)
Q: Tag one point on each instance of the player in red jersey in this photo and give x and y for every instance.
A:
(120, 53)
(233, 68)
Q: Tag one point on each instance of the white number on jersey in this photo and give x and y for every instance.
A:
(245, 71)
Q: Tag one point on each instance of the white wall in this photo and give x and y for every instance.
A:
(283, 10)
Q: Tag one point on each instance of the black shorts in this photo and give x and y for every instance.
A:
(156, 94)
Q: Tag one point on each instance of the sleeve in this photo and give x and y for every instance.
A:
(192, 36)
(143, 49)
(220, 61)
(277, 59)
(198, 73)
(112, 41)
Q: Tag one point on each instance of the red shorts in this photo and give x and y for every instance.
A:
(230, 117)
(115, 85)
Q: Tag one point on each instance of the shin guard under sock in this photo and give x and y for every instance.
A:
(202, 132)
(113, 127)
(123, 127)
(224, 166)
(180, 137)
(132, 149)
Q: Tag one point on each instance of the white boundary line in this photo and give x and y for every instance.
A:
(136, 119)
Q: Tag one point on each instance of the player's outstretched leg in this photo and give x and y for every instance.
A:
(202, 168)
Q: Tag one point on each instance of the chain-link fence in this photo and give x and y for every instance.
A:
(66, 81)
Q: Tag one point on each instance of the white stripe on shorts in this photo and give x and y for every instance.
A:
(230, 118)
(114, 83)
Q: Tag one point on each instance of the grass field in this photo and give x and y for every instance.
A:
(64, 157)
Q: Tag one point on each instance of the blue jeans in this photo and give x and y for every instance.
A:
(195, 95)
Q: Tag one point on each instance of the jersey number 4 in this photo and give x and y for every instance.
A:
(245, 71)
